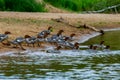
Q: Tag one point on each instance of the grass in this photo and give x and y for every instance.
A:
(71, 5)
(83, 5)
(21, 6)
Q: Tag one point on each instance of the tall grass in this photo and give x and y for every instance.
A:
(21, 5)
(83, 5)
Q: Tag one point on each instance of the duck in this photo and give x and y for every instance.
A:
(4, 37)
(71, 37)
(18, 41)
(56, 50)
(107, 48)
(100, 46)
(60, 32)
(30, 40)
(48, 31)
(70, 45)
(55, 38)
(94, 49)
(42, 39)
(102, 32)
(62, 41)
(90, 48)
(76, 46)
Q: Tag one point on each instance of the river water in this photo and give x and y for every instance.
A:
(111, 38)
(67, 65)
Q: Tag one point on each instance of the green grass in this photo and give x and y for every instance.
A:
(84, 5)
(21, 6)
(71, 5)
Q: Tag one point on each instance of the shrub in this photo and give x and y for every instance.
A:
(83, 5)
(21, 5)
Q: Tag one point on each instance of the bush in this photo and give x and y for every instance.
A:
(21, 5)
(2, 5)
(83, 5)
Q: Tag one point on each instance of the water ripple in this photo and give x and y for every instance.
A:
(67, 65)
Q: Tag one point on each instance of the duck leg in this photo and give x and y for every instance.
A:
(15, 46)
(28, 45)
(6, 44)
(33, 44)
(38, 44)
(22, 47)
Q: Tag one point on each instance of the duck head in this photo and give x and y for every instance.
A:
(66, 38)
(91, 47)
(27, 36)
(76, 45)
(58, 48)
(49, 27)
(107, 47)
(102, 32)
(102, 42)
(60, 31)
(7, 32)
(72, 35)
(95, 47)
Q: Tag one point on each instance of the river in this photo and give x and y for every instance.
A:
(67, 65)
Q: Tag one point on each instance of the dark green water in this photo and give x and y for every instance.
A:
(111, 38)
(68, 65)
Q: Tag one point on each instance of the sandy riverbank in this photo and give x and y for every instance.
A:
(20, 24)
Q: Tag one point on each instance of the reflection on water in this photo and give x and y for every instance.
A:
(111, 38)
(67, 65)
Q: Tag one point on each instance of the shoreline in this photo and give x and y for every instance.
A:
(22, 23)
(82, 39)
(86, 37)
